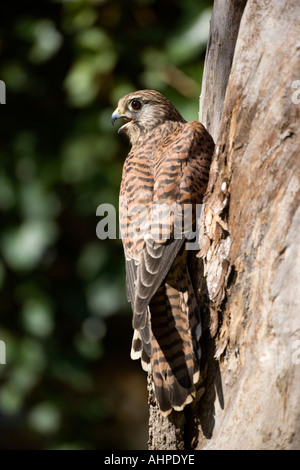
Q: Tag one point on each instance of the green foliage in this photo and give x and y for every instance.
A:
(64, 315)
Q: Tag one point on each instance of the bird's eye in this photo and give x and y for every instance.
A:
(136, 105)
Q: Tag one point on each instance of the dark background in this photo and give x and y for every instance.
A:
(68, 381)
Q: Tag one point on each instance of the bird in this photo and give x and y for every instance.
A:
(165, 171)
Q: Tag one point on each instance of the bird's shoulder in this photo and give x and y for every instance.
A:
(181, 136)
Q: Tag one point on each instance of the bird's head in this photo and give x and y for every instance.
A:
(144, 110)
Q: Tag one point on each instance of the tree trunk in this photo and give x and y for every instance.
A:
(250, 230)
(249, 267)
(224, 27)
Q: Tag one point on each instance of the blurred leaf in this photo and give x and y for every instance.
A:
(37, 317)
(87, 347)
(23, 378)
(79, 19)
(11, 398)
(2, 274)
(37, 203)
(92, 259)
(82, 80)
(31, 355)
(25, 168)
(121, 88)
(47, 41)
(104, 298)
(73, 376)
(93, 39)
(24, 146)
(14, 75)
(94, 328)
(7, 195)
(82, 156)
(72, 446)
(24, 246)
(44, 418)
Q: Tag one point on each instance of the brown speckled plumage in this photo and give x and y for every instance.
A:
(168, 166)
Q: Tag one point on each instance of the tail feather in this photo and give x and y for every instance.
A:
(138, 350)
(173, 353)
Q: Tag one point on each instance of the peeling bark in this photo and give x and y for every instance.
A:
(224, 27)
(250, 247)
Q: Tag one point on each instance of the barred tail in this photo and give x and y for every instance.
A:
(173, 354)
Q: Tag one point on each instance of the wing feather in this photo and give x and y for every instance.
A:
(148, 283)
(131, 274)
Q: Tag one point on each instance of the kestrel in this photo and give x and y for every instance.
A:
(165, 173)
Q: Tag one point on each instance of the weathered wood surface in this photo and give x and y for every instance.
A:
(251, 231)
(224, 27)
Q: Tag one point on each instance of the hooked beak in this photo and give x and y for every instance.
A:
(116, 115)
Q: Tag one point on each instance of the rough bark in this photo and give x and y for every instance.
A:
(250, 230)
(165, 433)
(224, 27)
